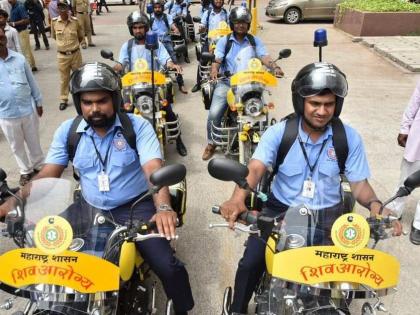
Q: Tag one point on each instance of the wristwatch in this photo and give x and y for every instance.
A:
(164, 207)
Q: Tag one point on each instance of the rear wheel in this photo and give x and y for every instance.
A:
(292, 16)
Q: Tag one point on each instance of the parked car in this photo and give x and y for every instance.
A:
(294, 11)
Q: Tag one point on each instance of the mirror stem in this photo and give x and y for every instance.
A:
(152, 190)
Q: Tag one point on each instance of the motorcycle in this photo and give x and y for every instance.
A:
(247, 115)
(211, 38)
(137, 90)
(57, 245)
(316, 264)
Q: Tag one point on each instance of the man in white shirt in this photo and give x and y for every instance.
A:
(11, 33)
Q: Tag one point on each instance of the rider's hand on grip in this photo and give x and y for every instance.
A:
(166, 223)
(231, 209)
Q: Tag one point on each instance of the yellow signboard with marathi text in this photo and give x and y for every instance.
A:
(79, 271)
(244, 77)
(319, 264)
(136, 77)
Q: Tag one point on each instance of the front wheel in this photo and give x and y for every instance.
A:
(292, 16)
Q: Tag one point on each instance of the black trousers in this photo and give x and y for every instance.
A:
(37, 28)
(102, 3)
(252, 265)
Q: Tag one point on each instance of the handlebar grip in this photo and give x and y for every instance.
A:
(247, 216)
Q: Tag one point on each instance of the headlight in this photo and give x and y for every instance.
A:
(144, 104)
(253, 107)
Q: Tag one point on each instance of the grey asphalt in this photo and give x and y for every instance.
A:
(379, 90)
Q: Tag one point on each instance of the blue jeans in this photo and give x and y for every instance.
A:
(217, 108)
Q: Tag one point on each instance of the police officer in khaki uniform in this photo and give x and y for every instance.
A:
(81, 8)
(68, 35)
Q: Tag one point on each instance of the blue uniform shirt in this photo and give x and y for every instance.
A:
(17, 13)
(159, 26)
(239, 53)
(17, 87)
(175, 9)
(140, 52)
(288, 183)
(214, 19)
(126, 178)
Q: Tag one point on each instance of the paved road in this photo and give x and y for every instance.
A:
(379, 92)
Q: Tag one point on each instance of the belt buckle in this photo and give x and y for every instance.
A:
(68, 53)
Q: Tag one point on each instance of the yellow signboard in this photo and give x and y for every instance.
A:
(318, 264)
(244, 77)
(79, 271)
(136, 77)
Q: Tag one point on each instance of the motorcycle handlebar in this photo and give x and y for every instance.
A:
(248, 217)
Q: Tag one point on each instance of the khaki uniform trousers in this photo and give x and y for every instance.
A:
(66, 64)
(26, 47)
(84, 23)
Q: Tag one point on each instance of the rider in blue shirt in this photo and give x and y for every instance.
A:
(309, 174)
(179, 10)
(240, 22)
(210, 20)
(113, 175)
(138, 25)
(162, 23)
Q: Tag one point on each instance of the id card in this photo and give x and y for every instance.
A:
(103, 182)
(308, 189)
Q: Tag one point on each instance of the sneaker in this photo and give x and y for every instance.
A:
(24, 179)
(37, 48)
(208, 152)
(47, 47)
(180, 147)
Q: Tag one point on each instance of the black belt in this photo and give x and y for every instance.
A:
(68, 52)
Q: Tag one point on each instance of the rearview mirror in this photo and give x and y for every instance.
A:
(285, 53)
(206, 57)
(107, 54)
(413, 181)
(228, 170)
(197, 19)
(168, 175)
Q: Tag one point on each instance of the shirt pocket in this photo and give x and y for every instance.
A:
(290, 176)
(122, 158)
(19, 76)
(329, 175)
(84, 165)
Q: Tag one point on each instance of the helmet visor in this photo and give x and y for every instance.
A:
(94, 77)
(320, 80)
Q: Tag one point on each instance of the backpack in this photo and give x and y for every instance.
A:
(340, 145)
(73, 137)
(228, 46)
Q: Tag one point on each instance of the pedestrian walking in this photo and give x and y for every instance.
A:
(19, 19)
(11, 33)
(409, 139)
(68, 34)
(81, 8)
(18, 119)
(36, 18)
(99, 9)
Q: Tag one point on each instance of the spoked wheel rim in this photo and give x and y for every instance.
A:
(292, 16)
